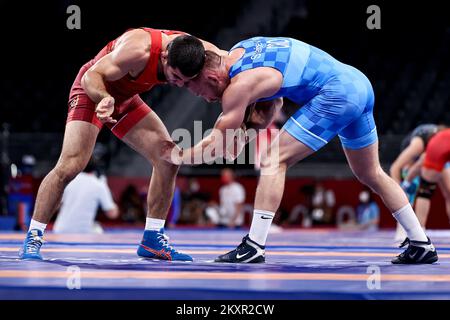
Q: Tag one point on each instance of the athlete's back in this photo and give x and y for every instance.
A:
(423, 131)
(336, 98)
(305, 68)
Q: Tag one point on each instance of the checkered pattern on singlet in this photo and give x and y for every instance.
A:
(262, 52)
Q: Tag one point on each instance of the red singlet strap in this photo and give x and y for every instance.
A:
(149, 75)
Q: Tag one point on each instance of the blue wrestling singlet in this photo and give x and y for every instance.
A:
(336, 98)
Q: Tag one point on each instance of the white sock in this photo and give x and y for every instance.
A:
(408, 219)
(154, 224)
(37, 225)
(260, 226)
(400, 233)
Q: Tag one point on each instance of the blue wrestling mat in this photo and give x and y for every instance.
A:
(301, 264)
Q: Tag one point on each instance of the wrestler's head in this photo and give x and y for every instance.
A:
(183, 59)
(212, 80)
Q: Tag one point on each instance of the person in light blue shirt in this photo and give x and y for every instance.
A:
(367, 212)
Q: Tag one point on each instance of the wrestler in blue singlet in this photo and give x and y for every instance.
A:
(336, 98)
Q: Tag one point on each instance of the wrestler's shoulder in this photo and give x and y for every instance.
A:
(136, 37)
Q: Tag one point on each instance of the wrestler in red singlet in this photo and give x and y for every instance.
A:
(106, 91)
(438, 151)
(129, 108)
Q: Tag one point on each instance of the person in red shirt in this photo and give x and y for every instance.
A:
(437, 155)
(106, 93)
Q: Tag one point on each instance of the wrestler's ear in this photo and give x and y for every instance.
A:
(213, 78)
(164, 55)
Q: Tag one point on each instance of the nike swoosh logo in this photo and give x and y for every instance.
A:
(266, 218)
(413, 255)
(238, 256)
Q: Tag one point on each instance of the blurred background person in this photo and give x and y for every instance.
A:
(232, 198)
(230, 212)
(80, 202)
(323, 201)
(194, 204)
(300, 214)
(432, 167)
(132, 205)
(412, 150)
(21, 191)
(367, 212)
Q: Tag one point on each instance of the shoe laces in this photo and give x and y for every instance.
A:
(164, 241)
(34, 243)
(405, 242)
(408, 250)
(243, 243)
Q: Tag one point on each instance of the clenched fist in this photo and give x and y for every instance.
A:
(105, 109)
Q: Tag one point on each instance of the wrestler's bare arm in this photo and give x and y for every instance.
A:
(245, 89)
(130, 55)
(407, 156)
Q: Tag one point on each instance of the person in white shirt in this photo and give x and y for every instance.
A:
(80, 202)
(232, 198)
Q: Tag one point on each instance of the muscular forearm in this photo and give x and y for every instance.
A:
(228, 144)
(204, 151)
(414, 170)
(94, 86)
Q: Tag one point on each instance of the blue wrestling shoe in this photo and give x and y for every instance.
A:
(32, 245)
(155, 245)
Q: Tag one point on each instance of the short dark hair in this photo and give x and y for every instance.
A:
(187, 54)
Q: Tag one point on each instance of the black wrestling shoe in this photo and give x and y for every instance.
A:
(417, 252)
(247, 252)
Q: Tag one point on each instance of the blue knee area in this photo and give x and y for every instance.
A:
(361, 142)
(344, 107)
(295, 129)
(447, 165)
(361, 133)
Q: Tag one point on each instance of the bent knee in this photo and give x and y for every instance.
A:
(269, 165)
(68, 168)
(370, 177)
